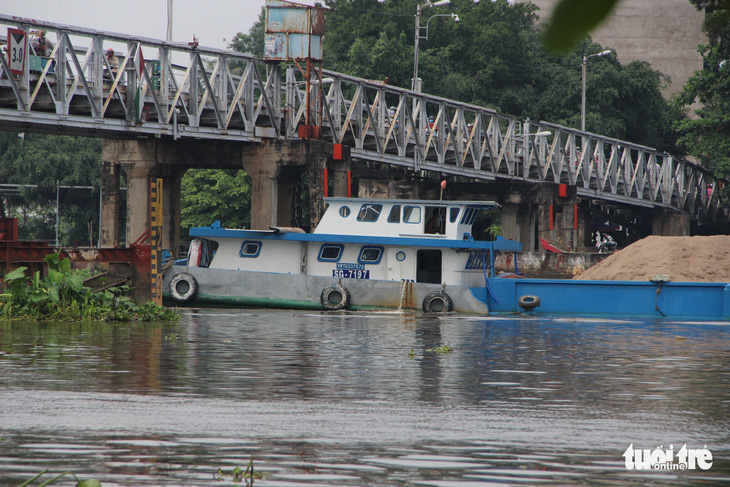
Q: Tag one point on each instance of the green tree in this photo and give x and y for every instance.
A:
(213, 194)
(707, 136)
(44, 160)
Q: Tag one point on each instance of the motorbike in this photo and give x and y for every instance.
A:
(607, 245)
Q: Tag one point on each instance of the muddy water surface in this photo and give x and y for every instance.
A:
(362, 399)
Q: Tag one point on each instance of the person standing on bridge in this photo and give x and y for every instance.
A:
(42, 46)
(112, 61)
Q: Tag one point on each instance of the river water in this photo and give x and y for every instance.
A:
(362, 399)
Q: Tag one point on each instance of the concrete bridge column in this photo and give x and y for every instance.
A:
(272, 164)
(171, 206)
(670, 224)
(518, 221)
(111, 216)
(340, 170)
(141, 160)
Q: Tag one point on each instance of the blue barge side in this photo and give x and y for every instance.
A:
(685, 300)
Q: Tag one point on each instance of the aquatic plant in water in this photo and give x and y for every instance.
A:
(79, 483)
(62, 296)
(239, 475)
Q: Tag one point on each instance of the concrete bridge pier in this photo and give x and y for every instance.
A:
(141, 160)
(670, 223)
(276, 169)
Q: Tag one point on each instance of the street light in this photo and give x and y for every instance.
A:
(583, 97)
(414, 83)
(526, 145)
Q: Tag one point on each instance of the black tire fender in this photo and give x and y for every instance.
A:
(528, 302)
(437, 302)
(183, 287)
(335, 297)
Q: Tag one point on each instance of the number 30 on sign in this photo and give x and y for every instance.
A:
(17, 50)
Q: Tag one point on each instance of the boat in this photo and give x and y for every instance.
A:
(364, 254)
(551, 247)
(407, 254)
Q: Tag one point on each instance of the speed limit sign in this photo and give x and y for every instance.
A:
(17, 50)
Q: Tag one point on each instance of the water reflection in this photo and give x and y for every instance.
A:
(361, 399)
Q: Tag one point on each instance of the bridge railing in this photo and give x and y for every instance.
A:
(158, 88)
(185, 90)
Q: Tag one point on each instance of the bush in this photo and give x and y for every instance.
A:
(62, 296)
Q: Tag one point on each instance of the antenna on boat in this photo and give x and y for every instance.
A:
(443, 187)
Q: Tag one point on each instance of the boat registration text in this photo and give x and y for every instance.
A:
(351, 271)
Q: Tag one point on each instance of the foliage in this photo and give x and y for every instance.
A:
(442, 350)
(707, 135)
(240, 475)
(62, 296)
(213, 194)
(44, 160)
(493, 231)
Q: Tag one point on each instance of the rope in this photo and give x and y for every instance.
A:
(486, 281)
(516, 270)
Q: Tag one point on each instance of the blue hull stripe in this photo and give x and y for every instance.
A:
(219, 233)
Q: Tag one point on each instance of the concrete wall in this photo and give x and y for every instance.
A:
(665, 33)
(546, 265)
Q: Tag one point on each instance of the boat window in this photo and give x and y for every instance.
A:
(330, 253)
(453, 214)
(250, 248)
(370, 255)
(369, 212)
(412, 214)
(469, 215)
(394, 216)
(344, 211)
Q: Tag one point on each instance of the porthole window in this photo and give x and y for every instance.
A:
(330, 253)
(250, 248)
(400, 256)
(370, 255)
(344, 211)
(369, 212)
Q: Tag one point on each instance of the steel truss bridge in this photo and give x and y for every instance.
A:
(187, 91)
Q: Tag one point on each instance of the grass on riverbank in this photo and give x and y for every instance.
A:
(62, 296)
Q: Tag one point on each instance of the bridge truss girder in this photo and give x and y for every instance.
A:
(191, 91)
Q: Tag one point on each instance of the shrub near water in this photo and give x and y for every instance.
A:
(62, 296)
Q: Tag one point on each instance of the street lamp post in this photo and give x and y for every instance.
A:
(419, 7)
(583, 96)
(526, 145)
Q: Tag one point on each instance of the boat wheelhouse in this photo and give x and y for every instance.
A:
(365, 253)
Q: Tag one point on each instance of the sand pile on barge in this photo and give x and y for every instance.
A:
(685, 259)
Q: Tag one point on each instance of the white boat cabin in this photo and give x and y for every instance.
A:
(401, 218)
(422, 241)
